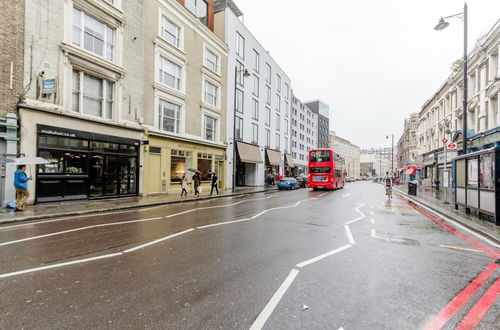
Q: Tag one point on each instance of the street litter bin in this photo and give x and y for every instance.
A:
(412, 188)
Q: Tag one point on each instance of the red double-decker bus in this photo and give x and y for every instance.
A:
(326, 170)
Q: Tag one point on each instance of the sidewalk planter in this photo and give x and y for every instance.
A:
(477, 181)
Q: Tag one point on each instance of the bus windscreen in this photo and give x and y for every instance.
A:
(320, 170)
(320, 156)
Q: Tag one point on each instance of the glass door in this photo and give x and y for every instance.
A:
(96, 175)
(111, 175)
(128, 175)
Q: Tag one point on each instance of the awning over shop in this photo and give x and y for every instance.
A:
(249, 153)
(274, 157)
(411, 170)
(289, 160)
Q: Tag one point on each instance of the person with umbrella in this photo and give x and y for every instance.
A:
(196, 180)
(214, 182)
(21, 185)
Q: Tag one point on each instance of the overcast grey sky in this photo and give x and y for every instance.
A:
(373, 62)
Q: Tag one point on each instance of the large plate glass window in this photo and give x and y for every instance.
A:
(211, 60)
(198, 8)
(487, 171)
(205, 166)
(92, 95)
(211, 91)
(93, 35)
(170, 31)
(180, 162)
(170, 73)
(168, 116)
(210, 128)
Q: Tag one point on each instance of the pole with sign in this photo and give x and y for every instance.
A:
(446, 177)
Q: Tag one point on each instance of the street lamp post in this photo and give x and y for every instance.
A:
(443, 24)
(392, 152)
(245, 75)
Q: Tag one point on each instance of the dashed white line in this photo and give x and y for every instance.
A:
(158, 241)
(323, 256)
(78, 229)
(349, 234)
(32, 270)
(271, 305)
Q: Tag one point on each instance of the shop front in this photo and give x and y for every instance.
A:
(248, 160)
(168, 159)
(273, 161)
(289, 165)
(85, 165)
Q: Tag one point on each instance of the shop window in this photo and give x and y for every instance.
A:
(47, 141)
(180, 162)
(103, 146)
(56, 162)
(75, 163)
(205, 166)
(128, 149)
(487, 172)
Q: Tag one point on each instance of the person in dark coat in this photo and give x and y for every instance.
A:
(214, 182)
(197, 183)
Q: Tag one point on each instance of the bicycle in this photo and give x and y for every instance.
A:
(388, 192)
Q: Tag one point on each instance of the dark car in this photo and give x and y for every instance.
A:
(302, 180)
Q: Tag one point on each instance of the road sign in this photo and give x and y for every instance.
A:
(452, 146)
(445, 140)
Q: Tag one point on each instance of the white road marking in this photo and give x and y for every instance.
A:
(223, 223)
(362, 215)
(271, 305)
(346, 195)
(372, 213)
(373, 233)
(340, 328)
(77, 229)
(32, 270)
(372, 221)
(322, 256)
(158, 240)
(349, 234)
(323, 194)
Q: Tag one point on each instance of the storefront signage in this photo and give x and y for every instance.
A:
(449, 156)
(429, 159)
(48, 86)
(481, 141)
(191, 146)
(70, 133)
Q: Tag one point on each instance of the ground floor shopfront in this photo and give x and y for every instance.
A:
(167, 159)
(87, 160)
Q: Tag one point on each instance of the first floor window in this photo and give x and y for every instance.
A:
(255, 85)
(268, 117)
(211, 93)
(277, 141)
(255, 133)
(268, 138)
(169, 116)
(239, 101)
(278, 103)
(170, 73)
(278, 119)
(239, 128)
(268, 95)
(286, 126)
(210, 127)
(255, 110)
(92, 95)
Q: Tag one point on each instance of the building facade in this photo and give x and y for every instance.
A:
(82, 102)
(441, 116)
(408, 149)
(185, 97)
(304, 134)
(323, 125)
(11, 89)
(258, 97)
(348, 151)
(376, 162)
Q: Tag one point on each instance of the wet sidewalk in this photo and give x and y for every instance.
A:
(72, 208)
(429, 199)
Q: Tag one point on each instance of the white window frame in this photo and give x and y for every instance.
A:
(278, 122)
(255, 133)
(162, 30)
(103, 99)
(278, 103)
(178, 116)
(215, 130)
(242, 93)
(255, 109)
(240, 121)
(278, 142)
(269, 94)
(217, 92)
(206, 60)
(278, 83)
(269, 73)
(256, 61)
(268, 137)
(240, 45)
(105, 39)
(256, 85)
(181, 72)
(268, 116)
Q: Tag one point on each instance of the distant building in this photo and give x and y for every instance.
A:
(375, 161)
(348, 151)
(408, 148)
(323, 112)
(304, 136)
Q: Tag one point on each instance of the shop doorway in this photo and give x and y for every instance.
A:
(154, 179)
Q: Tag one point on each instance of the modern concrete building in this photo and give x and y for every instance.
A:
(185, 100)
(323, 125)
(11, 89)
(304, 134)
(82, 105)
(348, 151)
(258, 97)
(376, 161)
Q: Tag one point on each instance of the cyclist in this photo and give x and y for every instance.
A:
(388, 185)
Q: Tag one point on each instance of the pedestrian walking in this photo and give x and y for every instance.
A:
(437, 182)
(21, 185)
(184, 184)
(215, 182)
(197, 183)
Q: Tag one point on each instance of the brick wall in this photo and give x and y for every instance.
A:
(11, 51)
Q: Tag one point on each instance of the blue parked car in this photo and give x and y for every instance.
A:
(288, 183)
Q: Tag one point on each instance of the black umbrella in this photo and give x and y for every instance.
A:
(194, 170)
(211, 173)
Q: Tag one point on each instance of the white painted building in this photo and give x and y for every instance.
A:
(304, 134)
(259, 94)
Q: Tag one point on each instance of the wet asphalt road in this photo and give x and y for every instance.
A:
(283, 260)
